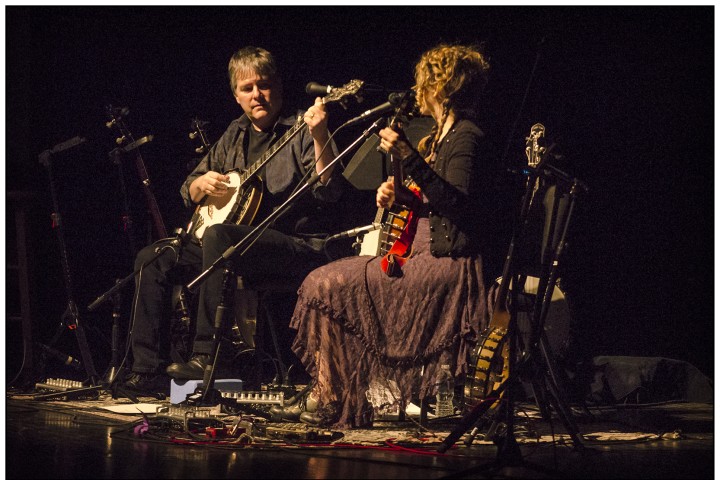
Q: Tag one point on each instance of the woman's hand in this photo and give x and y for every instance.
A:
(395, 143)
(385, 194)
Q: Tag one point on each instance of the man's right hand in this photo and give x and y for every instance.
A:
(211, 184)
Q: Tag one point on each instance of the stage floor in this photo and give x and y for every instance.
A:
(85, 439)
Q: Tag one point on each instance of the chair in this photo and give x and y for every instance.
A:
(254, 318)
(245, 335)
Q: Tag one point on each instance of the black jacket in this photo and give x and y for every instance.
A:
(459, 189)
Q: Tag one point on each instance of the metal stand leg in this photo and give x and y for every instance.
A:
(534, 359)
(207, 394)
(114, 369)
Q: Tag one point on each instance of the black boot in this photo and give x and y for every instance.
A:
(149, 384)
(194, 369)
(324, 416)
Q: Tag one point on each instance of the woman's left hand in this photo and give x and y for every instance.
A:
(385, 195)
(395, 143)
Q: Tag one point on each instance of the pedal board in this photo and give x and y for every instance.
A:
(63, 389)
(297, 432)
(254, 398)
(182, 417)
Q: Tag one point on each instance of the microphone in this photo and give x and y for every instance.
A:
(317, 90)
(394, 100)
(354, 231)
(177, 241)
(66, 359)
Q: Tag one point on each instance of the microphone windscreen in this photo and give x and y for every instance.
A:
(314, 88)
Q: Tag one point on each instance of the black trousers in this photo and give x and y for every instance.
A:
(154, 284)
(275, 261)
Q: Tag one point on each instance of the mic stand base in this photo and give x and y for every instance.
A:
(207, 395)
(113, 374)
(114, 370)
(508, 453)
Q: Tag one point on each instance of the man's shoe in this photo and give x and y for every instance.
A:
(147, 383)
(194, 369)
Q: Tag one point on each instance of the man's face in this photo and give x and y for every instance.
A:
(260, 98)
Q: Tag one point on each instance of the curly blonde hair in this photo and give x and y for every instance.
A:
(457, 75)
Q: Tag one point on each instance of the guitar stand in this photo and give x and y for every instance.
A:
(536, 359)
(508, 450)
(71, 317)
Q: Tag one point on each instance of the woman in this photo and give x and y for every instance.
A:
(362, 332)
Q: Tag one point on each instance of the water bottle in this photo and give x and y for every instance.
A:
(446, 391)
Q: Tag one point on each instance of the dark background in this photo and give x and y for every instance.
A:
(625, 93)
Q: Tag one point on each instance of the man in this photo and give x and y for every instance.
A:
(280, 257)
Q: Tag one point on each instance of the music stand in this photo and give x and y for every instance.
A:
(369, 167)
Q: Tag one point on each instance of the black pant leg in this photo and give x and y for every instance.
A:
(152, 309)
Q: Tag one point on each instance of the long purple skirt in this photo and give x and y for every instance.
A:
(358, 327)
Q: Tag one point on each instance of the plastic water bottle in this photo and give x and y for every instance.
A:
(446, 391)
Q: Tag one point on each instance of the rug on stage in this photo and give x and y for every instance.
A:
(160, 420)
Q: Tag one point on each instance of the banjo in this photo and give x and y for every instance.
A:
(242, 201)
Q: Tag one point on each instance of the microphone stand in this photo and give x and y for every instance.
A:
(114, 295)
(114, 369)
(243, 245)
(178, 241)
